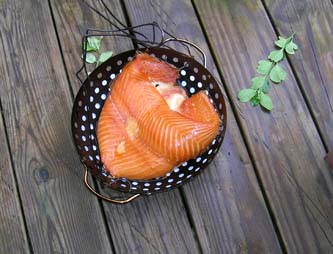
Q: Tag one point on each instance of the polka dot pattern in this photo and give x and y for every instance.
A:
(92, 96)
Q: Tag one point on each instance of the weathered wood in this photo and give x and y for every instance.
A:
(285, 144)
(61, 215)
(313, 23)
(158, 224)
(225, 202)
(13, 237)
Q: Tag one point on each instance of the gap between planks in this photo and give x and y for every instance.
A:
(242, 131)
(25, 227)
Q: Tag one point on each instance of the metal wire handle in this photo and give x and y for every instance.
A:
(190, 43)
(108, 199)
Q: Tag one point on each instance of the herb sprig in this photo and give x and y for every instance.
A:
(94, 45)
(270, 70)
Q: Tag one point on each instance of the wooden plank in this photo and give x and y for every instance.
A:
(61, 215)
(313, 23)
(158, 224)
(13, 238)
(285, 144)
(225, 202)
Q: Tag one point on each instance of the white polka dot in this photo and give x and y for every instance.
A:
(190, 168)
(93, 115)
(214, 141)
(175, 59)
(76, 136)
(80, 103)
(176, 170)
(198, 159)
(97, 105)
(216, 96)
(97, 157)
(75, 124)
(199, 84)
(168, 174)
(91, 99)
(86, 148)
(84, 138)
(134, 188)
(112, 76)
(204, 161)
(195, 69)
(181, 175)
(220, 106)
(135, 183)
(92, 137)
(179, 182)
(170, 180)
(183, 83)
(211, 86)
(185, 164)
(147, 184)
(192, 90)
(123, 185)
(94, 148)
(158, 184)
(183, 72)
(210, 151)
(91, 126)
(145, 189)
(189, 176)
(129, 58)
(86, 108)
(156, 188)
(164, 57)
(90, 157)
(104, 83)
(103, 96)
(204, 77)
(168, 186)
(83, 128)
(84, 118)
(197, 169)
(120, 70)
(192, 78)
(119, 62)
(96, 90)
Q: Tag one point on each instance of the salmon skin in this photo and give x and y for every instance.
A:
(148, 125)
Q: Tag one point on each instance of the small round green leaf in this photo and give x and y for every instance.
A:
(105, 56)
(276, 55)
(90, 58)
(245, 95)
(281, 42)
(257, 82)
(264, 66)
(277, 74)
(266, 101)
(266, 86)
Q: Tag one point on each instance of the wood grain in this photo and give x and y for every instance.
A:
(13, 237)
(156, 224)
(225, 202)
(312, 21)
(285, 144)
(61, 215)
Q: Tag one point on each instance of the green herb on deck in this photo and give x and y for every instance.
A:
(93, 45)
(270, 71)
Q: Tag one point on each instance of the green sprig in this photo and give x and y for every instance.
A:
(270, 71)
(93, 45)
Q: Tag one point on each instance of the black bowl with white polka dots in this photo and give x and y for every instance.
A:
(89, 103)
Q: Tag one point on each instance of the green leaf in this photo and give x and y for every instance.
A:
(245, 95)
(90, 58)
(104, 56)
(93, 43)
(291, 47)
(281, 42)
(258, 82)
(266, 86)
(264, 66)
(266, 101)
(276, 55)
(277, 74)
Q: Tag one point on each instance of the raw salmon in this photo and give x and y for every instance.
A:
(148, 125)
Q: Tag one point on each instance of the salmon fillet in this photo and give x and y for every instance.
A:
(148, 125)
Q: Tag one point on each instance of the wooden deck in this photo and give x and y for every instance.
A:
(269, 190)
